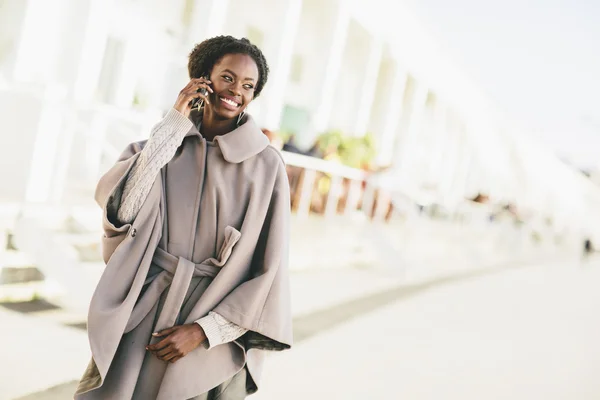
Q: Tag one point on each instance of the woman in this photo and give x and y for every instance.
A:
(196, 234)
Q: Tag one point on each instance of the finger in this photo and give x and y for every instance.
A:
(205, 83)
(165, 332)
(192, 84)
(160, 345)
(198, 88)
(175, 359)
(201, 80)
(188, 86)
(200, 84)
(208, 88)
(169, 356)
(165, 351)
(196, 95)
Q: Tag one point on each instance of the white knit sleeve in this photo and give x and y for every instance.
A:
(165, 138)
(219, 330)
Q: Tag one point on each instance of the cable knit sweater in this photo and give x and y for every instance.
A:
(165, 138)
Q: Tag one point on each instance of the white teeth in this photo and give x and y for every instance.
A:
(230, 102)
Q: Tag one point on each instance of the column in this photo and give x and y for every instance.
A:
(332, 67)
(280, 65)
(207, 20)
(440, 146)
(367, 91)
(412, 132)
(45, 148)
(217, 15)
(39, 40)
(92, 54)
(393, 116)
(127, 77)
(455, 165)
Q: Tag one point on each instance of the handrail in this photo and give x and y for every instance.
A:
(329, 167)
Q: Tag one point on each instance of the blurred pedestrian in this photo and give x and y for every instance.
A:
(196, 223)
(588, 247)
(290, 145)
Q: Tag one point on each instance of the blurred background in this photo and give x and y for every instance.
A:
(443, 165)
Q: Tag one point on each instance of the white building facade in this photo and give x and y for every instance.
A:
(81, 78)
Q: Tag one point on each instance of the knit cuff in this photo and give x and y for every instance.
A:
(177, 121)
(212, 330)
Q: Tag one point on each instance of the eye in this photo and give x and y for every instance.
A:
(228, 78)
(248, 86)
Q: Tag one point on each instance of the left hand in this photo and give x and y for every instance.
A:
(178, 342)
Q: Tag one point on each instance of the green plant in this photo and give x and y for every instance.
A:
(330, 140)
(356, 152)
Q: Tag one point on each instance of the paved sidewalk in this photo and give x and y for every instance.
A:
(45, 351)
(38, 353)
(323, 302)
(524, 334)
(371, 270)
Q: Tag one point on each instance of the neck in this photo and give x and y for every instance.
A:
(212, 126)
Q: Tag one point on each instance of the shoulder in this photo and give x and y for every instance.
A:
(270, 169)
(271, 157)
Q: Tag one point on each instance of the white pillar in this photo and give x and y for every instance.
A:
(454, 165)
(412, 132)
(208, 20)
(440, 145)
(331, 69)
(38, 46)
(217, 15)
(127, 77)
(90, 63)
(392, 116)
(367, 91)
(281, 64)
(45, 148)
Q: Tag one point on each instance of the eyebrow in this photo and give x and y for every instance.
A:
(235, 75)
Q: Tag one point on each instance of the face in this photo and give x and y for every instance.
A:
(233, 78)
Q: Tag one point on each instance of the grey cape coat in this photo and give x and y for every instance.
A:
(212, 235)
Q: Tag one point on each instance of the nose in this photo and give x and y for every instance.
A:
(236, 89)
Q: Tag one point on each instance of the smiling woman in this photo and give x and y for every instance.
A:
(196, 230)
(237, 72)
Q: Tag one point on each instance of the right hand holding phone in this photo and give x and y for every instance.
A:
(191, 92)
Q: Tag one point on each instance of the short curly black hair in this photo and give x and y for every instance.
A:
(205, 55)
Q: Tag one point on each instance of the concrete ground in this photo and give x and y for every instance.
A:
(48, 345)
(508, 333)
(523, 334)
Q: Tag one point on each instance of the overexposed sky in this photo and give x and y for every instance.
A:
(539, 60)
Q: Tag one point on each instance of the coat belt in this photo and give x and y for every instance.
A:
(177, 272)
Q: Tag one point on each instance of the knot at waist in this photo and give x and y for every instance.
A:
(177, 272)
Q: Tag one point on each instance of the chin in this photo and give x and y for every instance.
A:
(227, 114)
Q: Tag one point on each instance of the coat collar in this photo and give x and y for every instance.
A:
(242, 143)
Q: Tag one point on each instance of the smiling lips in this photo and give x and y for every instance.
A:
(229, 103)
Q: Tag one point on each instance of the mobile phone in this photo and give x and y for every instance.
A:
(198, 102)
